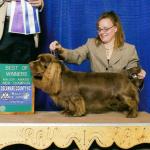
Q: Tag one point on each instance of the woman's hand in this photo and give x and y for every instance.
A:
(55, 46)
(142, 74)
(36, 3)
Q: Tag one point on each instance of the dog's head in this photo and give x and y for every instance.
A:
(46, 73)
(133, 76)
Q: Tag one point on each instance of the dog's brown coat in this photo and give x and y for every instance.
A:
(80, 93)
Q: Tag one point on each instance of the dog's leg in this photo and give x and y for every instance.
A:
(62, 101)
(132, 103)
(66, 110)
(65, 103)
(79, 103)
(68, 105)
(133, 111)
(76, 106)
(133, 106)
(70, 109)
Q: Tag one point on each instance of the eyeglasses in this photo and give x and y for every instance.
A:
(104, 29)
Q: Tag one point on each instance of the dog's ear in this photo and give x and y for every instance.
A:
(52, 78)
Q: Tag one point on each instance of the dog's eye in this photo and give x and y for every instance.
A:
(42, 63)
(45, 66)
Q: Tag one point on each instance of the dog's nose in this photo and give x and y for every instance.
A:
(31, 64)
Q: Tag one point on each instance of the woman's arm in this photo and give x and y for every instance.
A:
(133, 62)
(77, 55)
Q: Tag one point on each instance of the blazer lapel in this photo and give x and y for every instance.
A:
(116, 56)
(103, 55)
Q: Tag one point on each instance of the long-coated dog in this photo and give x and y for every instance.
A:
(80, 93)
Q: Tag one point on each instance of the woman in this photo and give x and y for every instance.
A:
(108, 52)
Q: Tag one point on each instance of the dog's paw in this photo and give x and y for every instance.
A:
(67, 113)
(71, 114)
(132, 115)
(78, 114)
(63, 112)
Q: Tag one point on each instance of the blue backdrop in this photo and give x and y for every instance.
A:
(71, 22)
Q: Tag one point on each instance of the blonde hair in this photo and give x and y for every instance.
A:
(119, 36)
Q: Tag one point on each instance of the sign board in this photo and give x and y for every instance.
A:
(16, 89)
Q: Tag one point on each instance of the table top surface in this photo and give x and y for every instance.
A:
(57, 117)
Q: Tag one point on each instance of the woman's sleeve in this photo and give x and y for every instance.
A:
(77, 55)
(133, 60)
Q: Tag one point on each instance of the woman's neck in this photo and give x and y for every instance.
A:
(109, 49)
(109, 45)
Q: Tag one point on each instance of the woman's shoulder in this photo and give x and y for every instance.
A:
(128, 46)
(91, 41)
